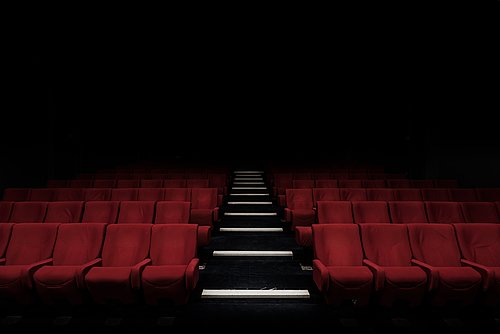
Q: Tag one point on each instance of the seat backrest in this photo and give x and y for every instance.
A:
(440, 183)
(69, 194)
(87, 183)
(335, 212)
(196, 183)
(150, 194)
(379, 194)
(326, 183)
(30, 243)
(173, 244)
(374, 183)
(325, 194)
(434, 244)
(126, 245)
(41, 194)
(64, 212)
(98, 194)
(203, 198)
(104, 212)
(435, 194)
(174, 183)
(156, 183)
(136, 212)
(480, 212)
(337, 244)
(408, 212)
(16, 194)
(127, 183)
(299, 199)
(444, 212)
(350, 183)
(104, 183)
(386, 245)
(124, 194)
(352, 194)
(421, 184)
(371, 212)
(172, 212)
(177, 194)
(480, 243)
(407, 194)
(488, 194)
(303, 184)
(28, 212)
(78, 243)
(398, 183)
(5, 211)
(462, 195)
(5, 232)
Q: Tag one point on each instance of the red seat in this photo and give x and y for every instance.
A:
(444, 212)
(480, 246)
(136, 212)
(435, 195)
(379, 194)
(5, 211)
(28, 212)
(299, 207)
(5, 231)
(338, 265)
(124, 194)
(407, 194)
(127, 183)
(352, 194)
(64, 212)
(172, 212)
(374, 183)
(16, 194)
(102, 212)
(480, 212)
(124, 256)
(374, 212)
(408, 212)
(41, 195)
(421, 184)
(174, 183)
(303, 184)
(388, 255)
(151, 183)
(462, 195)
(177, 194)
(196, 183)
(488, 194)
(30, 248)
(69, 194)
(98, 194)
(204, 208)
(350, 183)
(435, 250)
(327, 183)
(104, 183)
(325, 194)
(76, 251)
(173, 272)
(150, 194)
(398, 183)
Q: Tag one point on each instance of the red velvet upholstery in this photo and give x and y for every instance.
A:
(299, 207)
(69, 194)
(105, 212)
(352, 194)
(388, 255)
(76, 251)
(435, 250)
(373, 212)
(104, 183)
(174, 183)
(127, 183)
(124, 194)
(204, 208)
(196, 183)
(30, 247)
(16, 194)
(350, 183)
(41, 195)
(136, 212)
(435, 194)
(97, 194)
(488, 194)
(462, 195)
(327, 183)
(177, 194)
(151, 183)
(380, 194)
(325, 194)
(480, 212)
(5, 231)
(124, 254)
(408, 212)
(5, 211)
(444, 212)
(150, 194)
(64, 212)
(173, 272)
(172, 212)
(28, 212)
(407, 194)
(338, 266)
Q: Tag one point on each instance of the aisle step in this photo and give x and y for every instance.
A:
(248, 179)
(250, 203)
(244, 293)
(251, 229)
(249, 194)
(250, 214)
(249, 188)
(248, 171)
(248, 182)
(251, 253)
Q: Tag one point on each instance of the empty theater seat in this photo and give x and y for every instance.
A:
(150, 194)
(5, 211)
(480, 246)
(64, 212)
(480, 212)
(302, 184)
(30, 248)
(5, 232)
(488, 194)
(444, 212)
(299, 207)
(435, 194)
(325, 194)
(41, 195)
(157, 183)
(16, 194)
(379, 194)
(408, 212)
(77, 250)
(435, 250)
(196, 183)
(172, 212)
(350, 183)
(124, 194)
(204, 208)
(69, 194)
(97, 194)
(327, 183)
(374, 212)
(407, 194)
(127, 183)
(388, 255)
(124, 256)
(338, 271)
(462, 195)
(104, 183)
(136, 212)
(173, 272)
(28, 212)
(178, 194)
(102, 212)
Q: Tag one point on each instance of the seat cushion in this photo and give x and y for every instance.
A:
(112, 275)
(163, 275)
(56, 275)
(405, 277)
(349, 277)
(458, 277)
(10, 274)
(303, 236)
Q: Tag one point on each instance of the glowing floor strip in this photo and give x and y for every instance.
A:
(252, 253)
(250, 214)
(251, 229)
(248, 182)
(250, 203)
(248, 179)
(245, 194)
(237, 293)
(249, 188)
(248, 171)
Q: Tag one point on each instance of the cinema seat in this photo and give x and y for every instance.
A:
(196, 183)
(124, 256)
(407, 212)
(157, 183)
(480, 212)
(124, 194)
(30, 248)
(374, 212)
(480, 246)
(326, 183)
(435, 250)
(407, 194)
(41, 195)
(97, 194)
(178, 194)
(374, 183)
(5, 211)
(204, 208)
(64, 212)
(444, 212)
(28, 212)
(462, 195)
(101, 212)
(379, 194)
(77, 250)
(338, 271)
(435, 194)
(388, 256)
(325, 194)
(173, 271)
(5, 232)
(136, 212)
(16, 194)
(353, 194)
(127, 183)
(299, 207)
(150, 194)
(350, 183)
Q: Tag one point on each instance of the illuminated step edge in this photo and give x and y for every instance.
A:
(251, 229)
(246, 194)
(250, 203)
(237, 293)
(252, 253)
(250, 214)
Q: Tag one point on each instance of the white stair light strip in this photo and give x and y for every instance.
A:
(248, 171)
(248, 179)
(252, 253)
(249, 188)
(251, 229)
(248, 182)
(237, 293)
(250, 203)
(250, 214)
(245, 194)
